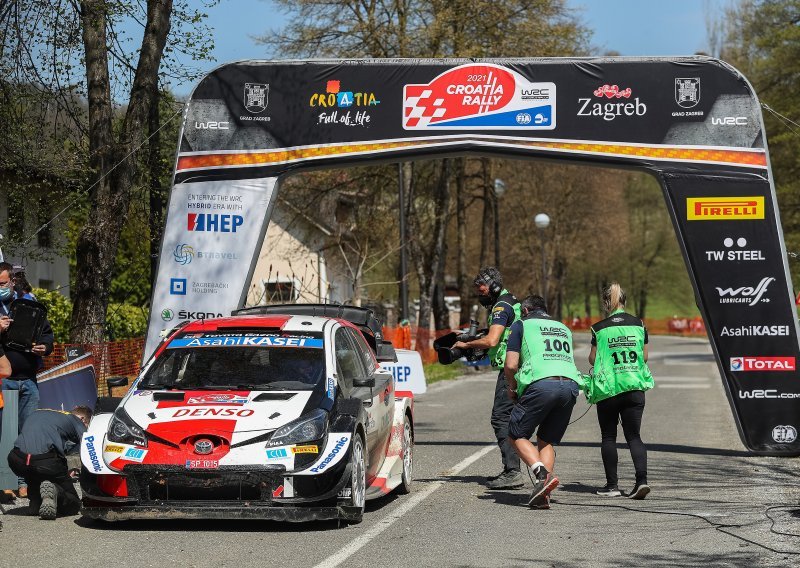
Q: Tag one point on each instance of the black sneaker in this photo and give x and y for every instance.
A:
(47, 510)
(609, 491)
(541, 489)
(493, 477)
(509, 479)
(639, 492)
(542, 503)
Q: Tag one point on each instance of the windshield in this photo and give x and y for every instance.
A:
(247, 361)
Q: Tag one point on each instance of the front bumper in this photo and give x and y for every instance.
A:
(229, 492)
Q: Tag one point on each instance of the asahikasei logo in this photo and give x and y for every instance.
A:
(479, 97)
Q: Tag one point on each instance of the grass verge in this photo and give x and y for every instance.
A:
(435, 372)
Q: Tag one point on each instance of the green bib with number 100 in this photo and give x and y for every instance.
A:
(546, 352)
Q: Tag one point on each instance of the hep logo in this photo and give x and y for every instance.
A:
(213, 222)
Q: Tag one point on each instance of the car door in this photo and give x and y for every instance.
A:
(382, 397)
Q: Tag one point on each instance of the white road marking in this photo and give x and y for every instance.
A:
(354, 546)
(683, 386)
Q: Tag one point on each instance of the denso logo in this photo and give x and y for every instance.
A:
(214, 222)
(336, 449)
(93, 453)
(211, 125)
(762, 364)
(724, 208)
(729, 121)
(745, 294)
(223, 412)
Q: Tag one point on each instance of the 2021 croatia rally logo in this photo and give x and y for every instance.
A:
(483, 97)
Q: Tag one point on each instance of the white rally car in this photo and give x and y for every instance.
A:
(278, 412)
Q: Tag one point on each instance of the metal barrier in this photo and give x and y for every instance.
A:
(10, 427)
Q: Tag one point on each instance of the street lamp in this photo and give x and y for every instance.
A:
(499, 190)
(542, 221)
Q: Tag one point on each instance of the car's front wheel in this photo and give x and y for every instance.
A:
(353, 505)
(408, 457)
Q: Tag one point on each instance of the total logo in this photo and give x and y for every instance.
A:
(724, 208)
(479, 97)
(746, 294)
(734, 251)
(611, 110)
(213, 222)
(742, 364)
(784, 434)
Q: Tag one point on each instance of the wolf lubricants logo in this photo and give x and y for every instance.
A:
(482, 97)
(724, 208)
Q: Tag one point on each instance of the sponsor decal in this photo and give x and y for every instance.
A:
(756, 331)
(345, 492)
(245, 341)
(222, 412)
(767, 393)
(331, 390)
(305, 450)
(335, 98)
(221, 398)
(729, 121)
(609, 111)
(134, 455)
(183, 254)
(762, 364)
(479, 97)
(746, 294)
(113, 449)
(278, 454)
(732, 253)
(256, 97)
(213, 222)
(177, 286)
(277, 492)
(784, 434)
(202, 464)
(211, 125)
(687, 91)
(724, 208)
(401, 373)
(622, 341)
(617, 320)
(167, 314)
(189, 315)
(93, 454)
(340, 443)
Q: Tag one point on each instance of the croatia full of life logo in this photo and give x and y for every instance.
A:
(479, 97)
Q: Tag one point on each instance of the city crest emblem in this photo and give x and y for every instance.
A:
(256, 97)
(687, 92)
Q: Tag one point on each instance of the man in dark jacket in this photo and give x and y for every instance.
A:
(38, 457)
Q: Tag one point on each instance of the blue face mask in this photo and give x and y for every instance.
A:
(5, 293)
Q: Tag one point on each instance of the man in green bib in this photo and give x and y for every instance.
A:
(543, 379)
(503, 311)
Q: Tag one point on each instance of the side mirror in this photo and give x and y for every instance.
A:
(116, 381)
(364, 382)
(386, 352)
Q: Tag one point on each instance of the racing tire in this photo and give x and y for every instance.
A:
(353, 506)
(408, 457)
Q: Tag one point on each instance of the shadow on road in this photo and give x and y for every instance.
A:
(669, 448)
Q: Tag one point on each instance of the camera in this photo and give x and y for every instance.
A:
(444, 345)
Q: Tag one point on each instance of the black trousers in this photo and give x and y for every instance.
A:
(46, 467)
(501, 414)
(629, 407)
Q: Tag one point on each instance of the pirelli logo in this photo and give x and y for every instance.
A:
(724, 208)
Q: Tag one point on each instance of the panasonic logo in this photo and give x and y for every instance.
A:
(93, 453)
(329, 458)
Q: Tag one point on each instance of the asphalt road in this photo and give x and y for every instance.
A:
(712, 504)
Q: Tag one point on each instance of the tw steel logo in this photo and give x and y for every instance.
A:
(724, 208)
(762, 364)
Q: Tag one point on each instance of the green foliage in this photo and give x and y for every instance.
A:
(59, 311)
(435, 372)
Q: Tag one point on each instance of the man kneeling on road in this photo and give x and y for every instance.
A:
(38, 456)
(544, 381)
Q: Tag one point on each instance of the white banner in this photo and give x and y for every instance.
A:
(408, 372)
(211, 242)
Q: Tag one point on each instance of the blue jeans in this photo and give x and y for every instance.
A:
(28, 401)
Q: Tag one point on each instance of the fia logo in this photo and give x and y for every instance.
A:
(784, 434)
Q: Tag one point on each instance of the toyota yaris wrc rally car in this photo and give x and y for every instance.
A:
(258, 415)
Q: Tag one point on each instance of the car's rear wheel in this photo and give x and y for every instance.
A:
(353, 506)
(408, 457)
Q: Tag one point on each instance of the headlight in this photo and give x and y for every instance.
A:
(124, 430)
(310, 427)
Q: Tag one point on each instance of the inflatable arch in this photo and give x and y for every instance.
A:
(693, 122)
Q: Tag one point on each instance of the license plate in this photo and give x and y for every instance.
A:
(202, 464)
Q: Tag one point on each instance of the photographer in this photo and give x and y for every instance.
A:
(503, 311)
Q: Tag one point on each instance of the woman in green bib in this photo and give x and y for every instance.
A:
(620, 376)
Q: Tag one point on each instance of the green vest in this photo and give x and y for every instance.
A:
(619, 364)
(497, 354)
(546, 351)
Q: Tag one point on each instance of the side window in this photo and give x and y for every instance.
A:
(364, 351)
(348, 365)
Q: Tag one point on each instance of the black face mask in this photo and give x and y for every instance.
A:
(486, 301)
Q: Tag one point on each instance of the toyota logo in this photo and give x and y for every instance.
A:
(203, 446)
